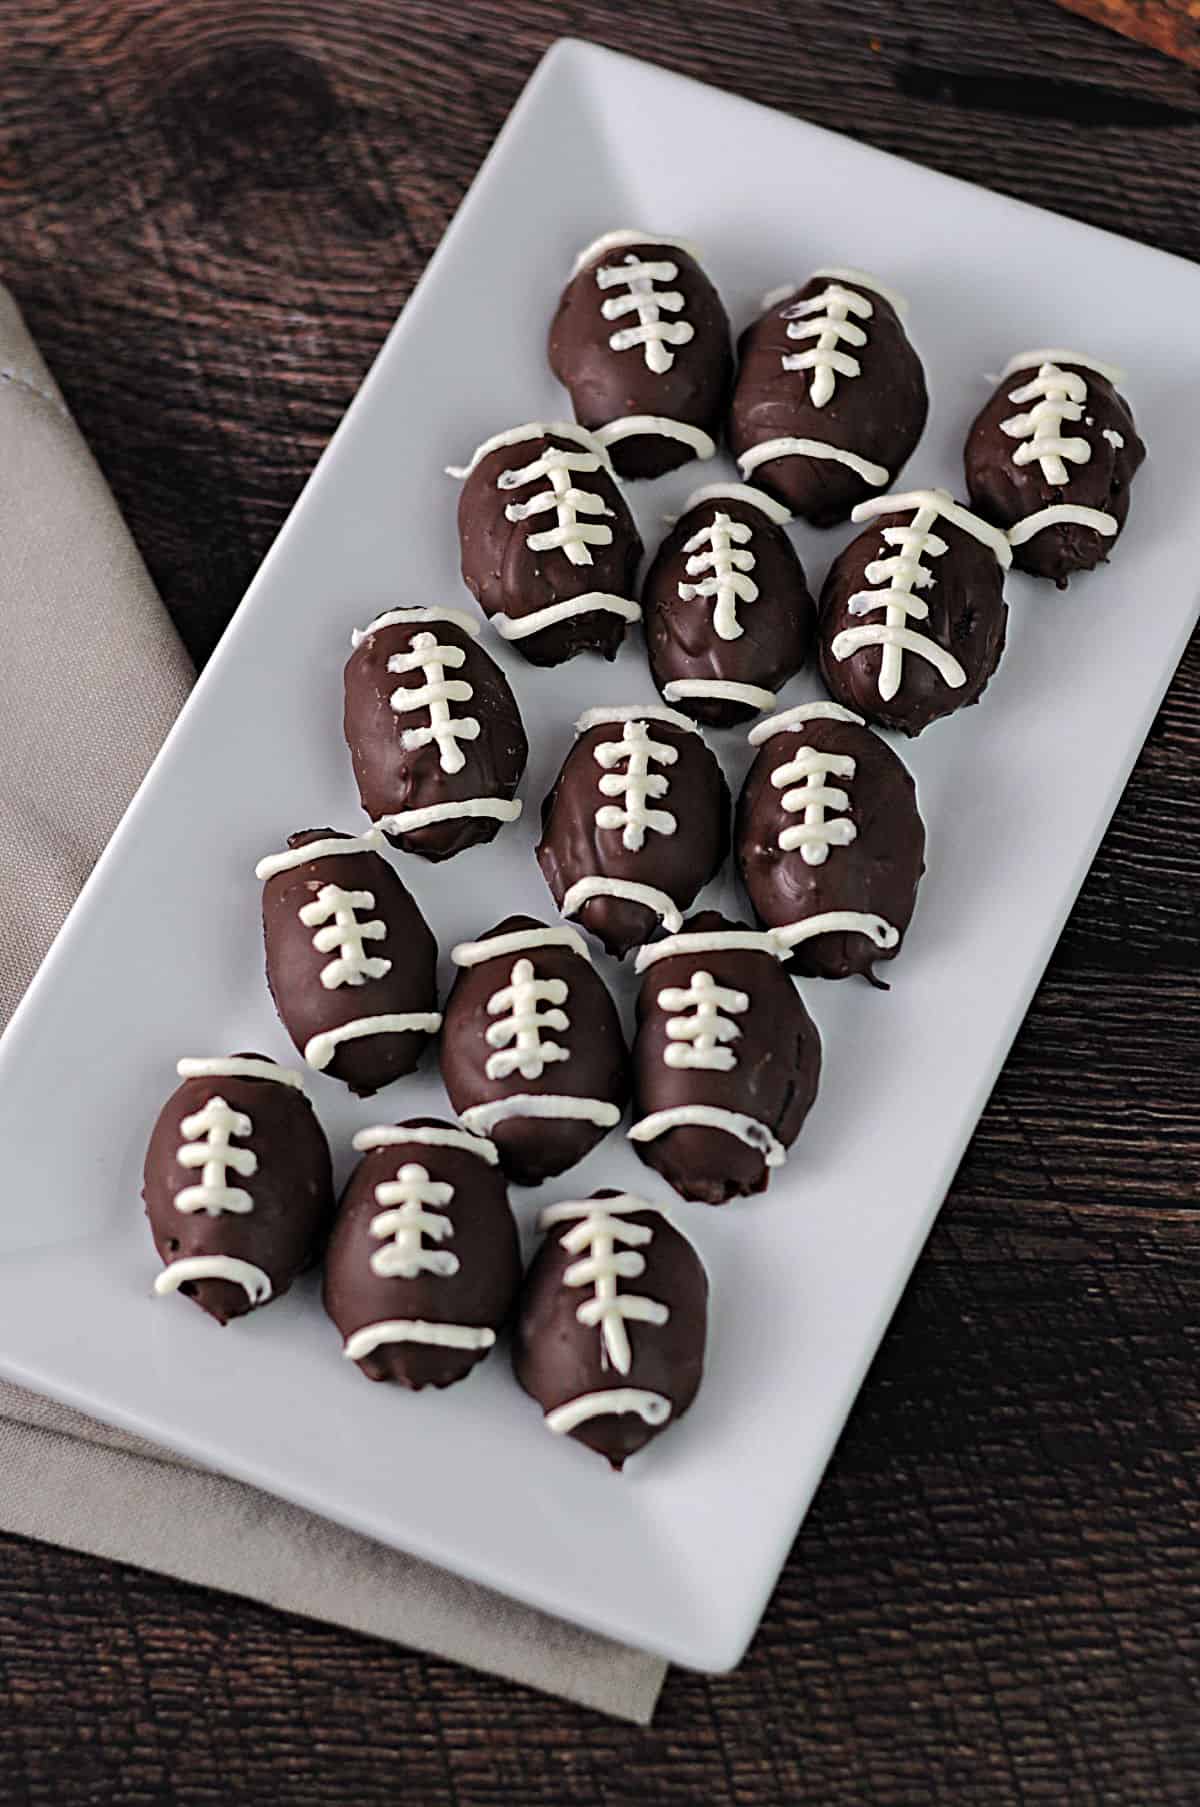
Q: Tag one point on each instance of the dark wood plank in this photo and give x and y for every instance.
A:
(210, 212)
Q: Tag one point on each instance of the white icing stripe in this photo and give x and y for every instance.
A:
(863, 279)
(233, 1066)
(602, 1266)
(633, 712)
(208, 1144)
(527, 1012)
(657, 426)
(722, 559)
(584, 889)
(1062, 514)
(404, 821)
(254, 1282)
(346, 933)
(551, 1106)
(624, 235)
(739, 492)
(700, 1031)
(651, 1408)
(592, 602)
(575, 530)
(749, 1130)
(402, 617)
(948, 510)
(519, 941)
(722, 688)
(426, 1135)
(1058, 396)
(904, 640)
(827, 319)
(627, 774)
(789, 719)
(640, 278)
(404, 1223)
(836, 922)
(1029, 360)
(808, 773)
(292, 857)
(416, 1330)
(320, 1049)
(533, 429)
(568, 1209)
(788, 447)
(709, 941)
(444, 729)
(900, 578)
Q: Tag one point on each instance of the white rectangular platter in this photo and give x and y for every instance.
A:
(162, 955)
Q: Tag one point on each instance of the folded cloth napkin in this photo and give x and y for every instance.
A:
(77, 601)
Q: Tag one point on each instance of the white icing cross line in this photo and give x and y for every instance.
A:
(900, 577)
(636, 785)
(700, 1037)
(652, 332)
(215, 1155)
(407, 1221)
(826, 318)
(722, 548)
(603, 1267)
(436, 694)
(1058, 396)
(569, 534)
(517, 1036)
(808, 772)
(353, 966)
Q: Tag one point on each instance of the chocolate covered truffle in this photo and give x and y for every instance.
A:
(351, 962)
(912, 615)
(829, 842)
(726, 1060)
(532, 1050)
(727, 611)
(641, 341)
(434, 732)
(637, 821)
(423, 1265)
(1051, 458)
(238, 1186)
(549, 548)
(830, 398)
(611, 1325)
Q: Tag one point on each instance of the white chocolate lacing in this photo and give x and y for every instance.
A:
(1062, 514)
(1058, 396)
(551, 1107)
(739, 492)
(427, 1135)
(649, 896)
(722, 559)
(444, 729)
(827, 319)
(320, 1049)
(677, 690)
(364, 1342)
(519, 941)
(749, 1130)
(598, 1225)
(650, 303)
(334, 848)
(407, 821)
(592, 602)
(709, 941)
(254, 1281)
(657, 426)
(625, 235)
(533, 429)
(236, 1066)
(1058, 354)
(808, 773)
(651, 1408)
(407, 1221)
(208, 1144)
(837, 922)
(519, 1034)
(788, 447)
(698, 1034)
(404, 617)
(900, 577)
(571, 534)
(635, 785)
(346, 933)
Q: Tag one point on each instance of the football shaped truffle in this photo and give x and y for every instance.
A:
(642, 342)
(423, 1265)
(351, 962)
(829, 842)
(549, 549)
(532, 1051)
(727, 611)
(434, 732)
(636, 822)
(238, 1185)
(1051, 458)
(726, 1060)
(612, 1321)
(923, 560)
(830, 398)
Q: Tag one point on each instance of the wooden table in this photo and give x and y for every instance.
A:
(211, 211)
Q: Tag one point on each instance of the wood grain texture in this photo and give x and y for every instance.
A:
(211, 210)
(1170, 25)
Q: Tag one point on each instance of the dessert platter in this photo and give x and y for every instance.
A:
(554, 966)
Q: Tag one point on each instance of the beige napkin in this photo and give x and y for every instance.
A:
(77, 602)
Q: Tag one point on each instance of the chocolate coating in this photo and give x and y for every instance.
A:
(879, 414)
(1005, 492)
(573, 847)
(556, 1358)
(776, 626)
(778, 1056)
(876, 874)
(483, 1238)
(393, 777)
(533, 1149)
(509, 579)
(291, 1189)
(294, 964)
(607, 385)
(967, 617)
